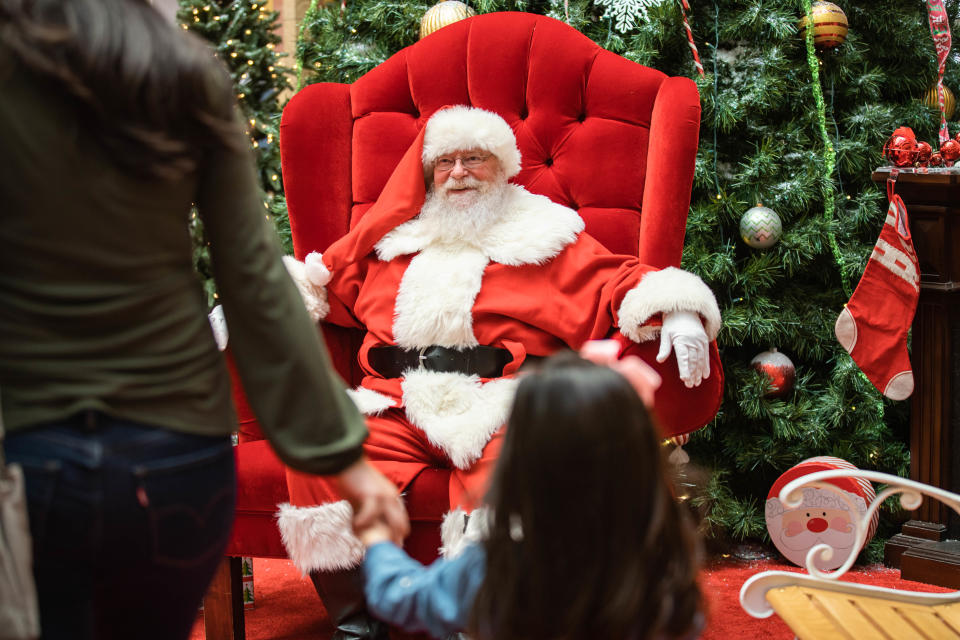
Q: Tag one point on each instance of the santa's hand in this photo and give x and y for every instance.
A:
(683, 332)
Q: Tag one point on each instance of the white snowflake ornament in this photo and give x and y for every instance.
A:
(627, 13)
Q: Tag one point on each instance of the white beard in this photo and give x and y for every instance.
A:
(463, 217)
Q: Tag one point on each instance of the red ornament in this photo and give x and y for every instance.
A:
(924, 150)
(779, 369)
(950, 151)
(901, 149)
(936, 160)
(957, 137)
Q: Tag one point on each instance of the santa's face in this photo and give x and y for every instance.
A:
(462, 177)
(803, 528)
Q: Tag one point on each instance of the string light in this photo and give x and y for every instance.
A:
(247, 32)
(250, 62)
(241, 96)
(233, 54)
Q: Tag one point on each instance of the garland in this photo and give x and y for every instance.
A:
(829, 152)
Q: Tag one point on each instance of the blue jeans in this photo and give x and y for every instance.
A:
(128, 521)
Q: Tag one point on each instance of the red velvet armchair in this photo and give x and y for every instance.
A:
(605, 136)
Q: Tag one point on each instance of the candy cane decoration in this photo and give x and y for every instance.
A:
(685, 7)
(940, 30)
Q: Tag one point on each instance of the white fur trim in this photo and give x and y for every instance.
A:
(663, 291)
(462, 127)
(218, 325)
(456, 412)
(314, 297)
(532, 230)
(320, 538)
(436, 295)
(370, 402)
(458, 531)
(316, 272)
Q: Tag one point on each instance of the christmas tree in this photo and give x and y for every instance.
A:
(785, 124)
(244, 36)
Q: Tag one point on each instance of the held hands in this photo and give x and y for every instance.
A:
(376, 531)
(683, 332)
(375, 500)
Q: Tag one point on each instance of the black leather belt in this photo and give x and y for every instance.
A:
(486, 362)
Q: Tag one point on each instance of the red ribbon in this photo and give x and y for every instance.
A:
(685, 7)
(940, 30)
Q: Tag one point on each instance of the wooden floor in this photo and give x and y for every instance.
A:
(815, 614)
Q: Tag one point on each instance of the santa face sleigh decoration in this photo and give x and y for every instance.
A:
(823, 517)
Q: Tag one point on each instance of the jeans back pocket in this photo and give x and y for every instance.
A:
(189, 500)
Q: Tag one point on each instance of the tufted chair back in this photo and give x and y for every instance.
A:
(610, 138)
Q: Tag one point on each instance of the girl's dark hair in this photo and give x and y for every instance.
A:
(599, 548)
(154, 95)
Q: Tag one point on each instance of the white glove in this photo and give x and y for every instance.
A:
(683, 331)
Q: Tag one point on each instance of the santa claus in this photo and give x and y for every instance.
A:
(458, 279)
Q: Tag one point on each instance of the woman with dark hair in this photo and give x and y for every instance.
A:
(116, 401)
(584, 539)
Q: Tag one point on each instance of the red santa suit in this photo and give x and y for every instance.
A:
(533, 283)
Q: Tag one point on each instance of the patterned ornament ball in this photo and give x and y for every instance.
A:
(901, 148)
(823, 517)
(829, 25)
(443, 14)
(779, 370)
(760, 227)
(924, 151)
(930, 99)
(936, 160)
(950, 151)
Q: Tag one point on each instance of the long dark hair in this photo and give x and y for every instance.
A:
(154, 95)
(586, 540)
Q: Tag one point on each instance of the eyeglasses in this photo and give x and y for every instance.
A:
(469, 162)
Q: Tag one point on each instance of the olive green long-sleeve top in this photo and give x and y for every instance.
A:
(100, 308)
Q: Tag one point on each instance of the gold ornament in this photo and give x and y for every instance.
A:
(829, 25)
(949, 101)
(442, 14)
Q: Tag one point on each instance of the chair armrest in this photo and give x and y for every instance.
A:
(671, 155)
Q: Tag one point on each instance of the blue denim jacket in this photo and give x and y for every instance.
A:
(436, 599)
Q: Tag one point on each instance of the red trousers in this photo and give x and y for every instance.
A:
(400, 451)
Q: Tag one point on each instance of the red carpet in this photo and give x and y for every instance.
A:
(287, 607)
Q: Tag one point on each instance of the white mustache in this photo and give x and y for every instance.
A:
(803, 541)
(462, 183)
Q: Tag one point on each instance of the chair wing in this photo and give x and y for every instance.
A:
(598, 133)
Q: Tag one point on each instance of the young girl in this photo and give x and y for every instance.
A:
(584, 539)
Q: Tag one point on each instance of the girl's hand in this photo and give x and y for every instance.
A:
(376, 531)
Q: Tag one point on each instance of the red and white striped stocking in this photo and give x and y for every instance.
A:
(873, 325)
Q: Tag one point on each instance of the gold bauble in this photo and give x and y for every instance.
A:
(442, 14)
(949, 101)
(829, 25)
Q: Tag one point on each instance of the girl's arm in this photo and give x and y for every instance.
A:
(436, 599)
